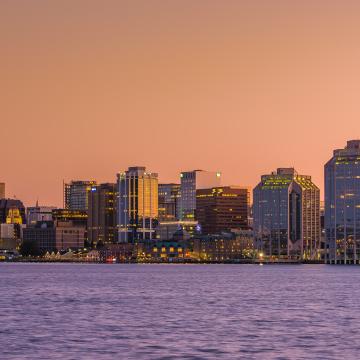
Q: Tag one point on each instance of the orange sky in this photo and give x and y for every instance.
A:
(91, 87)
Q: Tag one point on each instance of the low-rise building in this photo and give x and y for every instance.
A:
(227, 247)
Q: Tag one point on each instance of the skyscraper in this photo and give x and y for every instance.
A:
(287, 215)
(222, 208)
(342, 205)
(102, 214)
(2, 190)
(137, 204)
(190, 182)
(169, 198)
(75, 194)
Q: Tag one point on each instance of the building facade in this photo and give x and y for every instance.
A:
(77, 217)
(39, 213)
(137, 214)
(12, 211)
(223, 208)
(55, 236)
(228, 247)
(102, 214)
(287, 215)
(190, 181)
(76, 194)
(342, 205)
(43, 234)
(169, 201)
(69, 236)
(166, 229)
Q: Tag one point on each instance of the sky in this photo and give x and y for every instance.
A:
(88, 88)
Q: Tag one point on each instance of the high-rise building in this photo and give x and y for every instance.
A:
(39, 213)
(75, 194)
(190, 182)
(169, 198)
(287, 215)
(2, 190)
(222, 208)
(342, 205)
(137, 204)
(102, 214)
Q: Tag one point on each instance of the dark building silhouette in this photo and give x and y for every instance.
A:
(102, 214)
(43, 233)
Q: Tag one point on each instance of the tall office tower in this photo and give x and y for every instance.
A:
(137, 204)
(190, 182)
(75, 194)
(169, 197)
(39, 213)
(342, 205)
(287, 215)
(102, 214)
(2, 190)
(222, 208)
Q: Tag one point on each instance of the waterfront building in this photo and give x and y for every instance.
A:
(342, 205)
(137, 204)
(2, 190)
(222, 208)
(169, 201)
(165, 251)
(101, 223)
(287, 215)
(55, 236)
(76, 194)
(69, 236)
(190, 181)
(43, 234)
(39, 213)
(9, 236)
(228, 247)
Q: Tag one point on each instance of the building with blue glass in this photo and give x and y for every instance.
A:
(287, 216)
(342, 205)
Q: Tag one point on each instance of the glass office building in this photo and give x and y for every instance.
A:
(169, 198)
(190, 181)
(76, 194)
(137, 205)
(287, 215)
(342, 205)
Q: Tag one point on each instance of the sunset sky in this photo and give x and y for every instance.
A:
(89, 88)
